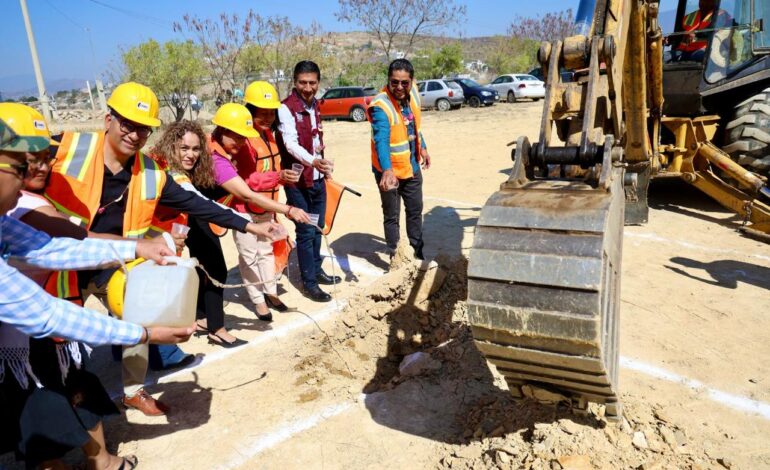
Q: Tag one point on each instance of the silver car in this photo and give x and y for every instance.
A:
(440, 94)
(518, 86)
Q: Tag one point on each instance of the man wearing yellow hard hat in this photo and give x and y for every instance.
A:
(26, 310)
(104, 183)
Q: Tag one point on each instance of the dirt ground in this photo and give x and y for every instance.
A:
(321, 386)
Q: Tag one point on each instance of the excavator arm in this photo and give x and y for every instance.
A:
(544, 269)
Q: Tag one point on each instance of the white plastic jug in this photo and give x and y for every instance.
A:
(162, 295)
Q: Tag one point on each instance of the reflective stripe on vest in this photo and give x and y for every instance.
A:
(64, 285)
(692, 23)
(81, 152)
(266, 151)
(400, 148)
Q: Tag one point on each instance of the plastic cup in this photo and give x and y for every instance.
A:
(179, 229)
(279, 232)
(313, 219)
(298, 167)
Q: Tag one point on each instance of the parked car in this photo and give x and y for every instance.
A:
(346, 102)
(475, 94)
(518, 86)
(440, 94)
(566, 75)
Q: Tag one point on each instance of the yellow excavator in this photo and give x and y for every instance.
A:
(544, 268)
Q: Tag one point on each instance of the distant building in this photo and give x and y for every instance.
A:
(476, 66)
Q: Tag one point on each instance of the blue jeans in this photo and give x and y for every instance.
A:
(313, 201)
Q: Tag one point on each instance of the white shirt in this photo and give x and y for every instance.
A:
(288, 128)
(27, 203)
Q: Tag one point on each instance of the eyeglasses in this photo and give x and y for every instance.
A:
(403, 83)
(21, 169)
(128, 127)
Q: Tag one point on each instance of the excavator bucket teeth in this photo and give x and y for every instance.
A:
(544, 287)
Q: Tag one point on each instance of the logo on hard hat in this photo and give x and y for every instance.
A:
(268, 96)
(39, 125)
(249, 122)
(142, 106)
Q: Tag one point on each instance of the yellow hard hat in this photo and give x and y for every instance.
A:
(28, 129)
(235, 117)
(136, 103)
(262, 95)
(116, 288)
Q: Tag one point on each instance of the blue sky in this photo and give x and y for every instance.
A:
(64, 49)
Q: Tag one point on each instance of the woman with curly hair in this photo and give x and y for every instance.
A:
(182, 150)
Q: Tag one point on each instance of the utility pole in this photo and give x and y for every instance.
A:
(36, 62)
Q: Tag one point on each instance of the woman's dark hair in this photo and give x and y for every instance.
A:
(307, 66)
(167, 149)
(401, 64)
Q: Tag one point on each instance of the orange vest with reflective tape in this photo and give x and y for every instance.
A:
(400, 150)
(692, 23)
(75, 189)
(258, 156)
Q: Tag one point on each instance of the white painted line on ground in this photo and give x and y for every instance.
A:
(708, 249)
(280, 434)
(730, 400)
(354, 266)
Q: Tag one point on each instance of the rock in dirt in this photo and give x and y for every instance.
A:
(575, 462)
(639, 441)
(569, 426)
(418, 363)
(542, 395)
(725, 462)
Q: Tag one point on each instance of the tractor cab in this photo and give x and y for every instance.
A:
(713, 47)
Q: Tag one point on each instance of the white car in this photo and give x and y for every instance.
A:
(518, 86)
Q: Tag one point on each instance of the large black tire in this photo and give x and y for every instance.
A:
(747, 137)
(474, 101)
(511, 97)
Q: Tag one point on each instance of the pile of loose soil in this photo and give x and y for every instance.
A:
(406, 343)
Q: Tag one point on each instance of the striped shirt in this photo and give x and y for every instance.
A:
(26, 306)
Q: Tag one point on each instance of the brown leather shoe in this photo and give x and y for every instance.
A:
(143, 402)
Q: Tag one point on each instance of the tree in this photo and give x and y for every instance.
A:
(512, 55)
(221, 41)
(171, 70)
(278, 46)
(438, 63)
(550, 27)
(399, 23)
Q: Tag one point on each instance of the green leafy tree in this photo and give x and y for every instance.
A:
(171, 69)
(438, 63)
(510, 54)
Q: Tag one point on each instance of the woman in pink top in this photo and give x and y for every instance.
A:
(234, 126)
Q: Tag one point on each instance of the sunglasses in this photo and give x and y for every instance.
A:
(403, 83)
(127, 127)
(23, 170)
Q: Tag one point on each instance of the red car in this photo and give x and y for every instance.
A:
(346, 102)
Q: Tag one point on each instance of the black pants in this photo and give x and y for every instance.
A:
(313, 201)
(410, 190)
(205, 246)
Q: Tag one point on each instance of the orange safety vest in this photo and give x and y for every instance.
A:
(400, 150)
(265, 157)
(692, 23)
(75, 189)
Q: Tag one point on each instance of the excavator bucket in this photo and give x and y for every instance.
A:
(544, 287)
